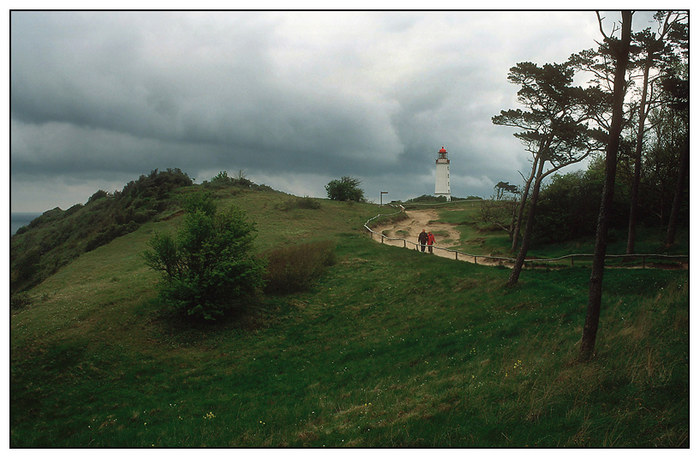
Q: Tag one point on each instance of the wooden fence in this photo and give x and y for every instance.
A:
(628, 260)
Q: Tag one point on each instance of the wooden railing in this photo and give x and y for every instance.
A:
(639, 260)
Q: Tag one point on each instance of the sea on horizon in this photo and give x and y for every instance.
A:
(20, 219)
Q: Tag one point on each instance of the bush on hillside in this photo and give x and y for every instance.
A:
(295, 268)
(222, 180)
(300, 203)
(207, 269)
(345, 189)
(99, 194)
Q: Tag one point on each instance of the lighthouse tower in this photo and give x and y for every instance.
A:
(442, 174)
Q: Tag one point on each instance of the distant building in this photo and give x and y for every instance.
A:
(442, 175)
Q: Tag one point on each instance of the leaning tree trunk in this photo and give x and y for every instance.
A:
(529, 224)
(521, 208)
(634, 198)
(680, 187)
(514, 215)
(595, 286)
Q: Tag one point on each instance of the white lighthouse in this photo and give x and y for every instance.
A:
(442, 174)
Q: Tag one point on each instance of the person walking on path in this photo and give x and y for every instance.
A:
(431, 241)
(423, 239)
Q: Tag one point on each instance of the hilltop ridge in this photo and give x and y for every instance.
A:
(58, 236)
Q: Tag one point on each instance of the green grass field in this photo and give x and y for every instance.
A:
(389, 348)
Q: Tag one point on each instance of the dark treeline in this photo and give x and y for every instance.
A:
(569, 203)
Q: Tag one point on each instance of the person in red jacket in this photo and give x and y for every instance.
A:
(431, 241)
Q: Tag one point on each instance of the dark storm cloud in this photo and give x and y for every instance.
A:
(292, 98)
(213, 96)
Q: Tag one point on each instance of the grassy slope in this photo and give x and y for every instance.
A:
(391, 348)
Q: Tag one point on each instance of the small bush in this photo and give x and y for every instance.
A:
(207, 269)
(222, 180)
(295, 268)
(99, 194)
(300, 203)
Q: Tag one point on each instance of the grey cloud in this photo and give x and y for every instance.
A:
(281, 95)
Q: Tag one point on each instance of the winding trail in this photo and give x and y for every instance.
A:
(405, 234)
(446, 236)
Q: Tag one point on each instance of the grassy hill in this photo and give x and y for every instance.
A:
(388, 348)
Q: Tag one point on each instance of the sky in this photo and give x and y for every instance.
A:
(292, 99)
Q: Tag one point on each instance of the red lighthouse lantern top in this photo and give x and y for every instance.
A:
(442, 156)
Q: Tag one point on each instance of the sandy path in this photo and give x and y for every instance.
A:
(446, 235)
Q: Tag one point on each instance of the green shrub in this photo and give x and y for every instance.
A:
(201, 201)
(294, 268)
(99, 194)
(345, 189)
(300, 203)
(27, 264)
(222, 179)
(207, 269)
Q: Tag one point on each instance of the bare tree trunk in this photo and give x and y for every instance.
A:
(520, 260)
(521, 208)
(680, 186)
(634, 198)
(514, 214)
(595, 286)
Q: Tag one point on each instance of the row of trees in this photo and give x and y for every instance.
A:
(635, 108)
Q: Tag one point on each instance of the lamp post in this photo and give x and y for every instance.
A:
(381, 195)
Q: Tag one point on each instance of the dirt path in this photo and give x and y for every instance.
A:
(446, 235)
